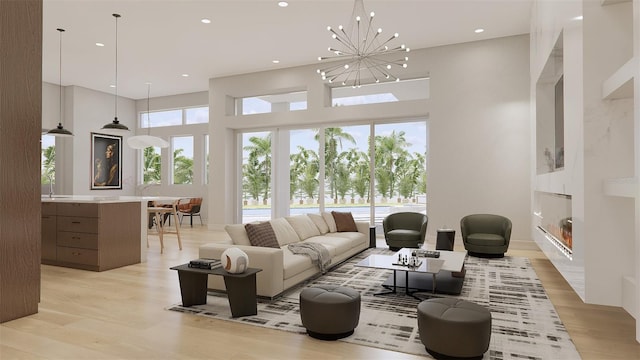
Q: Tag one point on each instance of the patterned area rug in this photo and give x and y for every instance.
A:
(525, 324)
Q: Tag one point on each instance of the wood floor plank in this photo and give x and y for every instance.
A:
(121, 314)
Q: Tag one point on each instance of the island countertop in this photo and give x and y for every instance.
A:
(105, 199)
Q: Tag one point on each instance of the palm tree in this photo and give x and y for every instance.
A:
(48, 165)
(388, 150)
(182, 168)
(152, 166)
(252, 179)
(333, 138)
(260, 149)
(304, 169)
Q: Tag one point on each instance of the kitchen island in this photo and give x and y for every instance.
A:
(94, 232)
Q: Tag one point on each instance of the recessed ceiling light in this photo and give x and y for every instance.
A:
(478, 31)
(185, 75)
(578, 17)
(99, 44)
(205, 21)
(275, 61)
(112, 86)
(283, 3)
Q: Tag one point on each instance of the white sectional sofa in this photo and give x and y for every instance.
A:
(282, 269)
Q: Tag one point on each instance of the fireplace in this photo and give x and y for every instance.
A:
(553, 213)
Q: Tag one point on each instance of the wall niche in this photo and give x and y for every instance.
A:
(550, 113)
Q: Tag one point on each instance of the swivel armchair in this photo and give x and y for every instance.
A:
(405, 230)
(485, 235)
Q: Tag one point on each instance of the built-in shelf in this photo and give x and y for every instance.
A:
(620, 84)
(624, 187)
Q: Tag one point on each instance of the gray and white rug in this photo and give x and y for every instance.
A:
(525, 324)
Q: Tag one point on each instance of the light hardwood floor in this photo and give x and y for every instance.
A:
(119, 314)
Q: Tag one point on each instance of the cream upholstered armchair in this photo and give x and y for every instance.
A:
(486, 235)
(405, 229)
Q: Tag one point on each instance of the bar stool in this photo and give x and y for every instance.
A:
(158, 213)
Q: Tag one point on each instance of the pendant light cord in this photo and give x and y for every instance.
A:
(116, 82)
(60, 78)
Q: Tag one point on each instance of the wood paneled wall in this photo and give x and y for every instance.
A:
(20, 128)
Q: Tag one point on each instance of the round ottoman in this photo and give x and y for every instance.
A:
(329, 312)
(454, 328)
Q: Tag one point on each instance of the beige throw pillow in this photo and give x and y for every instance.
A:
(261, 235)
(331, 223)
(344, 221)
(284, 232)
(238, 234)
(318, 220)
(304, 227)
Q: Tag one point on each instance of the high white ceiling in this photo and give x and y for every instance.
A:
(160, 40)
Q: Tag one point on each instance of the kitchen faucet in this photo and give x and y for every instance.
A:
(50, 185)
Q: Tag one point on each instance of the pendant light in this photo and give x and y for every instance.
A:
(145, 141)
(115, 126)
(60, 130)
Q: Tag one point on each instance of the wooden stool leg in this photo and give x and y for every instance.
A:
(177, 229)
(160, 227)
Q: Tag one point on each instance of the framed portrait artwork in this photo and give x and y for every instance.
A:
(106, 162)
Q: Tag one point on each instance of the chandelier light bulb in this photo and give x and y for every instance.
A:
(346, 66)
(379, 30)
(396, 35)
(389, 67)
(328, 28)
(372, 14)
(358, 18)
(404, 66)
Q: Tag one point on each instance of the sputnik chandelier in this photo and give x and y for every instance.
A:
(362, 54)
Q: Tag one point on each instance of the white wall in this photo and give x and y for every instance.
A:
(478, 120)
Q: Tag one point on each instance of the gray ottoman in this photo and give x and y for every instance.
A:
(329, 312)
(454, 328)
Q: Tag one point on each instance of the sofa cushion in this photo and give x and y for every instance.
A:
(334, 245)
(284, 232)
(262, 235)
(304, 226)
(354, 238)
(344, 221)
(331, 223)
(320, 223)
(238, 234)
(294, 264)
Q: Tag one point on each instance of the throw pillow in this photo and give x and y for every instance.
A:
(304, 227)
(320, 223)
(261, 235)
(284, 232)
(331, 223)
(344, 221)
(238, 234)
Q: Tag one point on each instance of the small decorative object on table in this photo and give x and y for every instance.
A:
(205, 264)
(404, 260)
(234, 260)
(427, 253)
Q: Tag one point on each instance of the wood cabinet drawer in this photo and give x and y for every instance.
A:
(78, 209)
(77, 256)
(49, 208)
(78, 224)
(78, 240)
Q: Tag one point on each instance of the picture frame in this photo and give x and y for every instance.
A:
(106, 162)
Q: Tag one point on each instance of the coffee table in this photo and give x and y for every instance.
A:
(443, 275)
(241, 288)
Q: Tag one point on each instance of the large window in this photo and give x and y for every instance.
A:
(256, 176)
(151, 165)
(176, 117)
(415, 89)
(397, 183)
(182, 147)
(48, 160)
(272, 103)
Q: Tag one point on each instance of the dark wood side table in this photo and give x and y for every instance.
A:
(241, 288)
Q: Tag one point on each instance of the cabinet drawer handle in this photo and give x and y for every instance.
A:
(75, 222)
(75, 238)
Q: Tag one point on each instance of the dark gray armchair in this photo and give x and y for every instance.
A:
(486, 235)
(405, 230)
